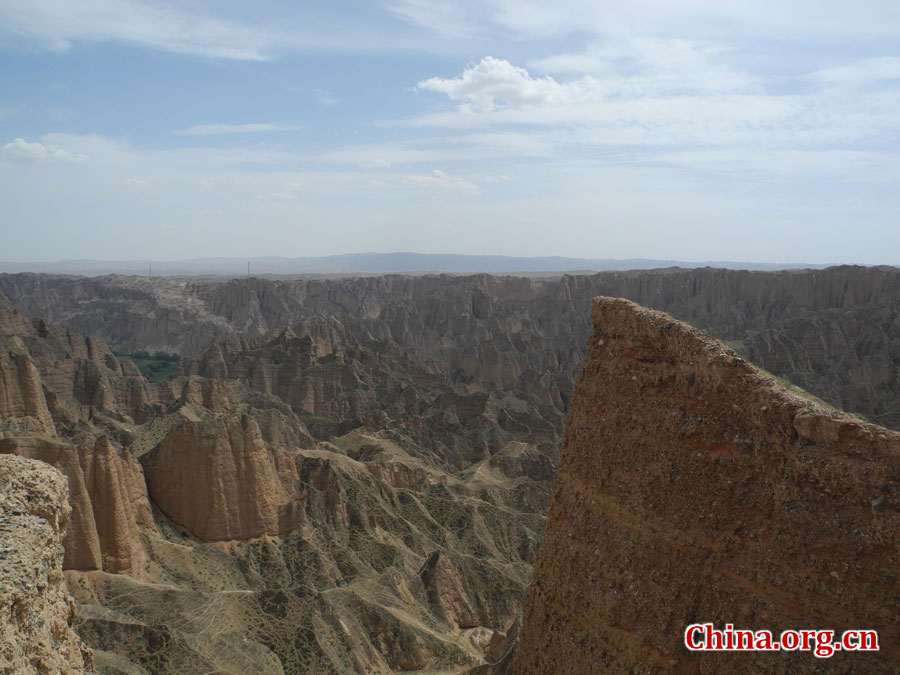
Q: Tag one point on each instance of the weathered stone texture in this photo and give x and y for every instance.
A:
(36, 612)
(693, 488)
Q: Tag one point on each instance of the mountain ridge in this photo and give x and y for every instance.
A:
(376, 263)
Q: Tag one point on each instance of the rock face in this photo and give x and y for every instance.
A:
(692, 488)
(447, 591)
(36, 612)
(52, 380)
(66, 400)
(21, 393)
(352, 474)
(220, 481)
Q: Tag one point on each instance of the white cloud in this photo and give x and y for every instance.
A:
(136, 183)
(652, 66)
(691, 212)
(439, 179)
(218, 129)
(860, 73)
(799, 20)
(36, 151)
(209, 29)
(375, 164)
(495, 83)
(734, 110)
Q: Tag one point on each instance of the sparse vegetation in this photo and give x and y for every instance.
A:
(794, 389)
(155, 367)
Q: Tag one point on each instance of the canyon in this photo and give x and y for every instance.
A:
(834, 332)
(342, 528)
(353, 474)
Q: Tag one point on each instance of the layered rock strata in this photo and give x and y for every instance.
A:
(693, 488)
(36, 612)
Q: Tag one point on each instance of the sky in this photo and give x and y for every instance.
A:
(697, 130)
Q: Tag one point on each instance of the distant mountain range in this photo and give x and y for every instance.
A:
(373, 263)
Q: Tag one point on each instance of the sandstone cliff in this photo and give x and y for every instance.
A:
(23, 406)
(692, 488)
(36, 612)
(62, 398)
(220, 481)
(378, 452)
(52, 380)
(340, 384)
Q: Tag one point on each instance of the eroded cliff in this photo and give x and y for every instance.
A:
(693, 488)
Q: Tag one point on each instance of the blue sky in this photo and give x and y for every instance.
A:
(691, 130)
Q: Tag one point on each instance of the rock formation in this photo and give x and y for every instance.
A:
(220, 481)
(62, 397)
(21, 392)
(36, 612)
(692, 488)
(294, 488)
(381, 385)
(447, 591)
(52, 380)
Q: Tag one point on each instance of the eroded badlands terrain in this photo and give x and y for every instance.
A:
(353, 475)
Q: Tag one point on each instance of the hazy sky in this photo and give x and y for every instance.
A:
(692, 130)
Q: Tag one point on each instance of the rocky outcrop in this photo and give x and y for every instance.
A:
(692, 488)
(36, 612)
(218, 480)
(110, 510)
(309, 545)
(447, 591)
